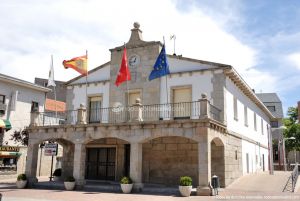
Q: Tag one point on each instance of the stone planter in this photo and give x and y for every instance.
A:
(185, 191)
(126, 188)
(69, 186)
(21, 183)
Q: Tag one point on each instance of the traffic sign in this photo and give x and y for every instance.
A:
(51, 149)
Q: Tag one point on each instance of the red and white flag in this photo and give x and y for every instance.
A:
(124, 73)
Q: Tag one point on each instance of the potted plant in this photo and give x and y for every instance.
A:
(185, 187)
(57, 174)
(21, 181)
(126, 184)
(69, 183)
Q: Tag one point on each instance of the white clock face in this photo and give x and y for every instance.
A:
(134, 60)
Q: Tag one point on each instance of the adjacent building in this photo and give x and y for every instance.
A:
(18, 98)
(57, 101)
(274, 105)
(200, 120)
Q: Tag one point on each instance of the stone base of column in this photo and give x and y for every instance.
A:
(80, 184)
(204, 191)
(137, 187)
(31, 181)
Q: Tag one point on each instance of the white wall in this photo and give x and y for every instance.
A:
(238, 126)
(98, 75)
(254, 150)
(92, 90)
(200, 82)
(182, 65)
(20, 117)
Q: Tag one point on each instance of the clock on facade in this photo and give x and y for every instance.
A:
(134, 60)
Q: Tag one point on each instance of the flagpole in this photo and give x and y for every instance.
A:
(86, 97)
(167, 91)
(127, 81)
(54, 88)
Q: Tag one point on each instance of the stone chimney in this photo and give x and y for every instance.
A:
(136, 34)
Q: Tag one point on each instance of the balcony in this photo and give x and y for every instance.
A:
(200, 109)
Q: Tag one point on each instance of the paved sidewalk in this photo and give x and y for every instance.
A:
(251, 187)
(262, 182)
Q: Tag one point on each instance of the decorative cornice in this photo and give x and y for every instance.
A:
(243, 86)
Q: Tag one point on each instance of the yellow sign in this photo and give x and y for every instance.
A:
(9, 148)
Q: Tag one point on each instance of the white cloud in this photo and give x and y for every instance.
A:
(33, 30)
(294, 58)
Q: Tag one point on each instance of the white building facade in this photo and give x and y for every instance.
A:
(18, 99)
(201, 120)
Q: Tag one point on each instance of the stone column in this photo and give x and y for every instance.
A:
(79, 165)
(204, 106)
(137, 113)
(34, 119)
(136, 152)
(81, 115)
(31, 163)
(204, 166)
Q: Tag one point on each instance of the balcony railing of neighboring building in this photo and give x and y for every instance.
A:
(136, 113)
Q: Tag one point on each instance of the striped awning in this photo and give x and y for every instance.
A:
(9, 154)
(5, 124)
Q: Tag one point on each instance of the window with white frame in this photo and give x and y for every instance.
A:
(245, 115)
(34, 106)
(235, 109)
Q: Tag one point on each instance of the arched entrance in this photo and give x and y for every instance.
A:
(107, 159)
(166, 159)
(39, 164)
(218, 160)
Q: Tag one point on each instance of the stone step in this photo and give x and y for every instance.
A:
(112, 187)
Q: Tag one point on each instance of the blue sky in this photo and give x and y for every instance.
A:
(261, 39)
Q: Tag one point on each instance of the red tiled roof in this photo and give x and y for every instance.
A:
(50, 105)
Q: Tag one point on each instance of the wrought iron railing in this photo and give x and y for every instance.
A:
(155, 112)
(56, 118)
(215, 113)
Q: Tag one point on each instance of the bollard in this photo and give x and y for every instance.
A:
(215, 184)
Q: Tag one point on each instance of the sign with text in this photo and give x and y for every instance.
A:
(10, 148)
(51, 149)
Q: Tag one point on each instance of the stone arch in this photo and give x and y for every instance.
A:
(107, 158)
(166, 158)
(39, 165)
(218, 159)
(64, 158)
(169, 132)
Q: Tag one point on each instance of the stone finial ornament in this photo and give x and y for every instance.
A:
(136, 25)
(204, 96)
(138, 101)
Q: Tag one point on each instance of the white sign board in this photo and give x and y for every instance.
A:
(50, 149)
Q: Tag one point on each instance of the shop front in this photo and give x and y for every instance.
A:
(9, 156)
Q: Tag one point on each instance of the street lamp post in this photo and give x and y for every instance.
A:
(280, 129)
(284, 155)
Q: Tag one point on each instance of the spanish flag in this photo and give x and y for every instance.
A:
(78, 63)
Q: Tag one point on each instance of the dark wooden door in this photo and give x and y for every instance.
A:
(101, 163)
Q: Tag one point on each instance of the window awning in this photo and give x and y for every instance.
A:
(9, 154)
(5, 124)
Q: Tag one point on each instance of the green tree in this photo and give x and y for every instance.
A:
(20, 136)
(292, 129)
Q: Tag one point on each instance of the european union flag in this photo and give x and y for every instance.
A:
(161, 66)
